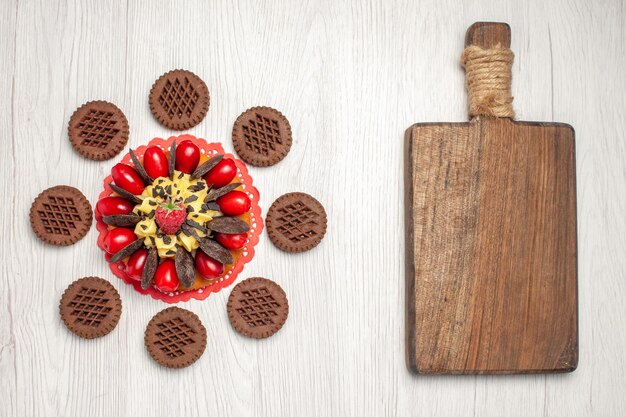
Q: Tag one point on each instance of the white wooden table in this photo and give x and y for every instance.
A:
(351, 77)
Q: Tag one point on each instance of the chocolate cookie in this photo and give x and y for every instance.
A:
(257, 308)
(296, 222)
(98, 130)
(61, 215)
(175, 338)
(90, 307)
(179, 99)
(262, 136)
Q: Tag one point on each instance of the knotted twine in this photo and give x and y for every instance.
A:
(488, 80)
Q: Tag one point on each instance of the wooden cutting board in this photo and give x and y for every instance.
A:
(491, 243)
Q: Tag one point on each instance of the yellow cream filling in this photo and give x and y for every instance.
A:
(177, 188)
(145, 228)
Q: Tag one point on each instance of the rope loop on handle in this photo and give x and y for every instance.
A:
(488, 80)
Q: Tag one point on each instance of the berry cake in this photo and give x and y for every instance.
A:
(178, 219)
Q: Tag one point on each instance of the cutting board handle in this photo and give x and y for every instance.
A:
(488, 34)
(487, 60)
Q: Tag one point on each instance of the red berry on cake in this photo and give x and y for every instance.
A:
(136, 263)
(155, 162)
(165, 277)
(170, 216)
(110, 206)
(117, 239)
(207, 266)
(234, 203)
(222, 173)
(232, 242)
(187, 156)
(127, 178)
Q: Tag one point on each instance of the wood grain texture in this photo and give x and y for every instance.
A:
(350, 76)
(488, 34)
(491, 247)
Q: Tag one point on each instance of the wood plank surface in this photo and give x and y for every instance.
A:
(351, 77)
(491, 248)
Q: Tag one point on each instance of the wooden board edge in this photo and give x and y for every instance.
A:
(573, 364)
(491, 372)
(546, 124)
(409, 264)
